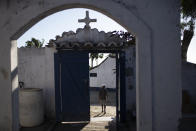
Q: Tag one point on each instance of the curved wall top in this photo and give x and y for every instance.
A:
(25, 15)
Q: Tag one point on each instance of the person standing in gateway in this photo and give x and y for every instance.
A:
(103, 98)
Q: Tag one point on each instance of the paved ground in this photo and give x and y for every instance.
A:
(92, 126)
(95, 111)
(105, 122)
(100, 121)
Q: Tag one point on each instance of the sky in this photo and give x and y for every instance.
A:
(67, 20)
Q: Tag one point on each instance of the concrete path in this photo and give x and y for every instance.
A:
(92, 126)
(96, 124)
(98, 119)
(99, 122)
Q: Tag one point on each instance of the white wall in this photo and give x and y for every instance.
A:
(158, 59)
(106, 74)
(36, 70)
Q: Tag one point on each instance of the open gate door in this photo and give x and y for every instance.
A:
(121, 87)
(72, 86)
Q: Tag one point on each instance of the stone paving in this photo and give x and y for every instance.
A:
(186, 124)
(91, 126)
(95, 111)
(100, 121)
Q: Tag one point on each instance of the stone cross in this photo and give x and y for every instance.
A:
(87, 20)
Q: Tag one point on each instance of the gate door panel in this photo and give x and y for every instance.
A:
(72, 98)
(121, 88)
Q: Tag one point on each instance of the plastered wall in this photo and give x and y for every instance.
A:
(36, 70)
(157, 57)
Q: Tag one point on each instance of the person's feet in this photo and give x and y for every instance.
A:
(104, 111)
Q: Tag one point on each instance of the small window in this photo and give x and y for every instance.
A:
(93, 74)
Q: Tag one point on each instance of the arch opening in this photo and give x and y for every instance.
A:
(47, 13)
(43, 15)
(111, 91)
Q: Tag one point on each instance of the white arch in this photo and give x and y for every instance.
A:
(18, 17)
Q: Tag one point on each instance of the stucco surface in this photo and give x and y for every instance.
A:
(106, 74)
(158, 57)
(36, 70)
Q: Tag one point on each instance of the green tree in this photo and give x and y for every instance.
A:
(128, 37)
(188, 16)
(95, 56)
(34, 43)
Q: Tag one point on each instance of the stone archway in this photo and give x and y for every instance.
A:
(18, 17)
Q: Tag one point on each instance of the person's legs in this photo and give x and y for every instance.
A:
(104, 106)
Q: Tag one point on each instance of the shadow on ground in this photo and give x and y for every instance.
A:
(99, 114)
(85, 126)
(70, 126)
(46, 126)
(187, 124)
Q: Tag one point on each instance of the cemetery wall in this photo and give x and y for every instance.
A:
(158, 58)
(188, 78)
(106, 74)
(36, 70)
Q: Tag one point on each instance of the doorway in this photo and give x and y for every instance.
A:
(72, 74)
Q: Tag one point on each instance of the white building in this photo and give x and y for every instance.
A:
(104, 73)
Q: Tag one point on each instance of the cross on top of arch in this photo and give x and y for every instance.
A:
(87, 20)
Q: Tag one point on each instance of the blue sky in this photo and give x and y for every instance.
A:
(67, 20)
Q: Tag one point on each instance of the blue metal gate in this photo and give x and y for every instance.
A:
(72, 86)
(120, 87)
